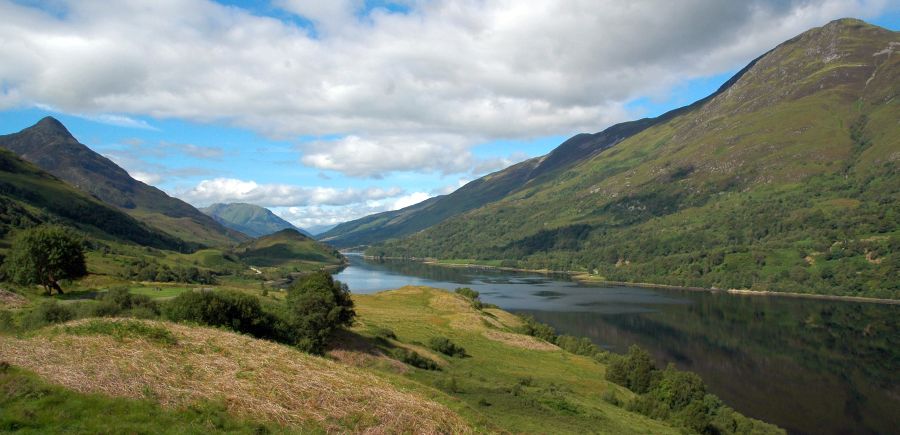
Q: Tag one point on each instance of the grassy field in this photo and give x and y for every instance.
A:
(386, 374)
(516, 382)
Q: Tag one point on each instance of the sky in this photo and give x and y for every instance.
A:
(327, 111)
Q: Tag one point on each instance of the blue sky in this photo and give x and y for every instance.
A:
(327, 111)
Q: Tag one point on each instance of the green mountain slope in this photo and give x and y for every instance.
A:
(785, 179)
(493, 187)
(50, 146)
(288, 248)
(30, 196)
(249, 219)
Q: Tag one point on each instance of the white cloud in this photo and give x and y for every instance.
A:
(268, 195)
(375, 156)
(420, 87)
(325, 216)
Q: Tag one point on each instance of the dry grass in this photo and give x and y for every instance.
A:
(254, 378)
(508, 320)
(9, 299)
(519, 340)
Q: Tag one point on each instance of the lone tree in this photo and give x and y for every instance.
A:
(44, 255)
(317, 305)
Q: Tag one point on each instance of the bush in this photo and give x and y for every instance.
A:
(578, 346)
(633, 371)
(384, 334)
(118, 301)
(237, 311)
(677, 389)
(49, 312)
(316, 306)
(414, 359)
(532, 327)
(446, 347)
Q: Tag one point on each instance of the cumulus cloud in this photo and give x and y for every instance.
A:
(321, 217)
(377, 155)
(434, 80)
(267, 195)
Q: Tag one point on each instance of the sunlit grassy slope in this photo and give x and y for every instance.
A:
(508, 380)
(179, 367)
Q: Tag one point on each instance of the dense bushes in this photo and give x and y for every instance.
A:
(238, 311)
(577, 345)
(316, 305)
(446, 347)
(633, 371)
(143, 270)
(414, 359)
(118, 301)
(676, 396)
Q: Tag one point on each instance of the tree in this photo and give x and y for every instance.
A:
(44, 255)
(317, 305)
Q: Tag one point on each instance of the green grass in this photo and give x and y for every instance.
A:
(121, 330)
(163, 292)
(29, 405)
(536, 391)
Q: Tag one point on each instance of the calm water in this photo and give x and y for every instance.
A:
(810, 366)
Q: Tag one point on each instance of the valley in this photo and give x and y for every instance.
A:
(730, 266)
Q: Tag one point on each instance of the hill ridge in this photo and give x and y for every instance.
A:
(49, 145)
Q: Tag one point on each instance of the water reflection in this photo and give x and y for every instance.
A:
(809, 366)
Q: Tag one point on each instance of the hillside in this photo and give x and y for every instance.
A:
(50, 146)
(495, 186)
(785, 179)
(30, 196)
(249, 219)
(100, 373)
(178, 367)
(288, 248)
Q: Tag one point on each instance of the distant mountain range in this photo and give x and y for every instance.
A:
(786, 178)
(50, 146)
(252, 220)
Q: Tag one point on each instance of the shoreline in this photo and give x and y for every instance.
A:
(584, 278)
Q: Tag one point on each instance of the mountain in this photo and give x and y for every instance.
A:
(785, 179)
(493, 187)
(31, 196)
(288, 248)
(50, 146)
(252, 220)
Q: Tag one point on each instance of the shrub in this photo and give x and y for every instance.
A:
(238, 311)
(316, 306)
(677, 389)
(414, 359)
(578, 346)
(446, 347)
(118, 301)
(609, 396)
(633, 371)
(49, 312)
(384, 334)
(532, 327)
